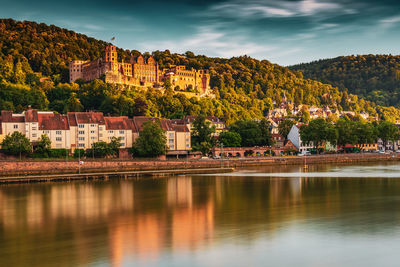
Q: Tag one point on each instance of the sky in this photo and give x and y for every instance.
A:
(283, 32)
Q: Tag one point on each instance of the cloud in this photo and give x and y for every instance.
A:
(255, 9)
(210, 41)
(389, 22)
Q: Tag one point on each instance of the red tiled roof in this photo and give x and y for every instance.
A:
(72, 119)
(119, 123)
(180, 128)
(88, 117)
(53, 122)
(166, 125)
(7, 116)
(31, 115)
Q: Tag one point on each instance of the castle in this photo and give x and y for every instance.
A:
(139, 71)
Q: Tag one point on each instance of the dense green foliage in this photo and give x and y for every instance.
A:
(252, 133)
(16, 144)
(230, 139)
(102, 149)
(285, 126)
(372, 77)
(34, 70)
(43, 147)
(348, 132)
(151, 141)
(318, 132)
(201, 138)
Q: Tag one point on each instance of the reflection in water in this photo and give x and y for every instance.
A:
(235, 219)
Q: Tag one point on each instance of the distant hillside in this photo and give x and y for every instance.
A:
(372, 77)
(34, 70)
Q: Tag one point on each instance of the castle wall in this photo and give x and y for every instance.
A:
(138, 72)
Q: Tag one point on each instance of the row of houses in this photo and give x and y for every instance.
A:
(285, 111)
(294, 137)
(82, 129)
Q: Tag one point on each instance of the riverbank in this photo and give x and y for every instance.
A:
(109, 175)
(40, 167)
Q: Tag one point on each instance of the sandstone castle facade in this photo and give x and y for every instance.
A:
(139, 71)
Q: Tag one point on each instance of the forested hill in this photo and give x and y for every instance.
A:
(373, 77)
(245, 88)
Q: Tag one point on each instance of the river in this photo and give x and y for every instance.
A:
(326, 215)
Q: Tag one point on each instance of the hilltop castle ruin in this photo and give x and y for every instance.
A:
(139, 71)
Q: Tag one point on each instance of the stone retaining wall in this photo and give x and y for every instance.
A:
(15, 167)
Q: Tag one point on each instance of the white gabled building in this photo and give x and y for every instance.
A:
(294, 137)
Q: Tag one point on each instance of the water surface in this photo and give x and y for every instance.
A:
(269, 216)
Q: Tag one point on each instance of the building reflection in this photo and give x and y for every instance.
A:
(181, 224)
(144, 219)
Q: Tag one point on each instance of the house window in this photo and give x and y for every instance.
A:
(81, 138)
(111, 132)
(92, 132)
(171, 135)
(58, 132)
(101, 135)
(93, 137)
(171, 146)
(34, 135)
(46, 132)
(59, 139)
(81, 126)
(81, 132)
(33, 128)
(58, 145)
(81, 145)
(170, 140)
(122, 138)
(187, 145)
(92, 125)
(15, 126)
(121, 132)
(122, 144)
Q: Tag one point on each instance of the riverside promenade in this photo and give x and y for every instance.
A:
(17, 168)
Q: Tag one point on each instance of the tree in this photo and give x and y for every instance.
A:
(318, 132)
(346, 132)
(114, 145)
(284, 127)
(16, 144)
(202, 139)
(249, 131)
(151, 141)
(43, 147)
(266, 136)
(387, 131)
(230, 139)
(100, 149)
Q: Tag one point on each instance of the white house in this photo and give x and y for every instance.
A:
(294, 137)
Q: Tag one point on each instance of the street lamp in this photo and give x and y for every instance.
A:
(222, 155)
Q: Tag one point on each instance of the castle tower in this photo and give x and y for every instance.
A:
(111, 54)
